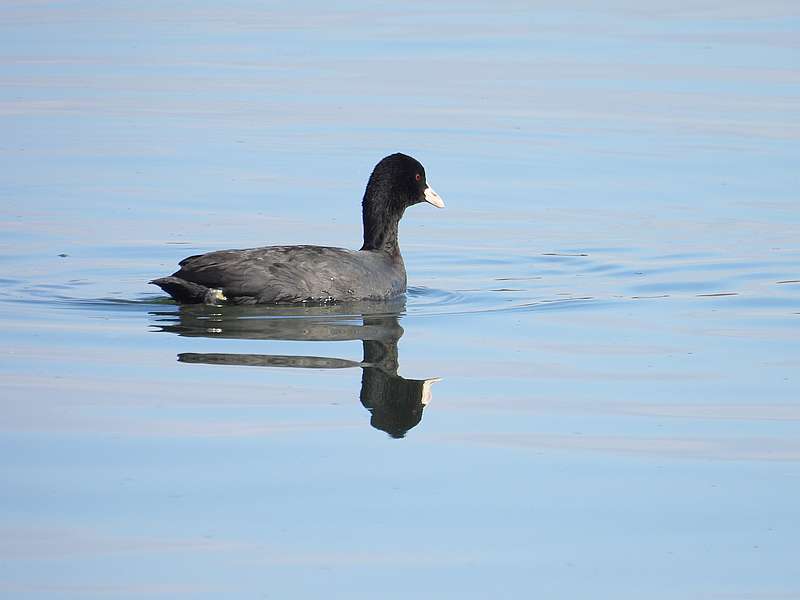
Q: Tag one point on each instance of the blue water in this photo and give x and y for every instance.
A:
(590, 391)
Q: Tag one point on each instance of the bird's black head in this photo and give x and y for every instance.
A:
(397, 182)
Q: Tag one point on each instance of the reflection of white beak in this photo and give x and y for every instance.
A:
(433, 197)
(426, 386)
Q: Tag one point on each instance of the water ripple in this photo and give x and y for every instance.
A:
(493, 282)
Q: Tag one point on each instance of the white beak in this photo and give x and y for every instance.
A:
(426, 390)
(433, 198)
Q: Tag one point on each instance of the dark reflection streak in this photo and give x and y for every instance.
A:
(395, 403)
(264, 360)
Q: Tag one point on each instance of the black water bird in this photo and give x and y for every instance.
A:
(315, 274)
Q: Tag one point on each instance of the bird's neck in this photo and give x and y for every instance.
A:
(384, 238)
(380, 232)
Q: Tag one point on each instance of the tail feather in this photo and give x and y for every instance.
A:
(187, 292)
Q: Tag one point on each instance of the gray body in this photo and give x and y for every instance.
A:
(287, 275)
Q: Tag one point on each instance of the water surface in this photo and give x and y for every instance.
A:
(590, 390)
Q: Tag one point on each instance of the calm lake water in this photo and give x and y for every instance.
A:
(592, 389)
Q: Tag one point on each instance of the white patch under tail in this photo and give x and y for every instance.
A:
(215, 296)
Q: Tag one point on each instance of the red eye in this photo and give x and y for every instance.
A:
(417, 176)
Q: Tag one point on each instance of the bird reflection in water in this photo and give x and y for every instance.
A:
(394, 402)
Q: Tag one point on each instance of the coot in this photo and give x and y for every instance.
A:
(315, 274)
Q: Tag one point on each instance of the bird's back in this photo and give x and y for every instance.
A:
(291, 274)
